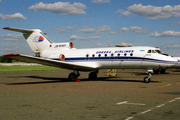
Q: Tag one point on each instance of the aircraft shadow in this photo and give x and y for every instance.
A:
(61, 80)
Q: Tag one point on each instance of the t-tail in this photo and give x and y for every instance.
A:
(39, 42)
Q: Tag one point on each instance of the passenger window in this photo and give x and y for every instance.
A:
(105, 55)
(112, 55)
(93, 55)
(125, 54)
(131, 54)
(87, 55)
(99, 55)
(118, 54)
(149, 51)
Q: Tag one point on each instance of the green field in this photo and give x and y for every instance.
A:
(27, 68)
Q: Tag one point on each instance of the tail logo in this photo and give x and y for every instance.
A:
(38, 39)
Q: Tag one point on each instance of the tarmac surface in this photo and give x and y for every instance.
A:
(48, 95)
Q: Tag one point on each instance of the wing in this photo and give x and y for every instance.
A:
(80, 66)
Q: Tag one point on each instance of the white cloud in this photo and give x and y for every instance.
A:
(168, 45)
(95, 37)
(99, 44)
(124, 44)
(12, 37)
(153, 12)
(124, 13)
(112, 32)
(12, 17)
(165, 34)
(64, 8)
(134, 29)
(75, 37)
(64, 29)
(176, 23)
(101, 1)
(99, 29)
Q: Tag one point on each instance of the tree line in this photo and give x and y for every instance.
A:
(8, 60)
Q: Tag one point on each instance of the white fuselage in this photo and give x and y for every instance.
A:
(113, 57)
(94, 58)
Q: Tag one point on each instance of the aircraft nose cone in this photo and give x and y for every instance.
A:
(178, 64)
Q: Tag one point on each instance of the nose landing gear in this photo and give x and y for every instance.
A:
(147, 79)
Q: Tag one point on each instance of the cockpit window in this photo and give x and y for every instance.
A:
(149, 51)
(158, 51)
(153, 51)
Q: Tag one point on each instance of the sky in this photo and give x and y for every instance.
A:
(93, 23)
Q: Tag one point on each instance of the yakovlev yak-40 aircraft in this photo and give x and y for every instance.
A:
(63, 55)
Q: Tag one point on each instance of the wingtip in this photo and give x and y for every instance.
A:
(6, 28)
(11, 55)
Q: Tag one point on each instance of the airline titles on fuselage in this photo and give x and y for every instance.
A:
(117, 51)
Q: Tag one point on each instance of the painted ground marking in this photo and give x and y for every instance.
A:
(145, 111)
(125, 102)
(172, 100)
(129, 118)
(122, 102)
(167, 85)
(160, 105)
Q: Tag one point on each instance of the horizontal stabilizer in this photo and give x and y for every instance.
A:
(18, 30)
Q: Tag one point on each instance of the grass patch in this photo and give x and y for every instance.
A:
(142, 87)
(27, 68)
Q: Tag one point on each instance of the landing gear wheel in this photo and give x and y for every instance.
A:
(147, 79)
(93, 75)
(72, 76)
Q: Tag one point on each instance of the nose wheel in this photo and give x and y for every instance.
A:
(147, 79)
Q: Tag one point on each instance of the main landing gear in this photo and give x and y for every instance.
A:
(93, 75)
(157, 71)
(75, 74)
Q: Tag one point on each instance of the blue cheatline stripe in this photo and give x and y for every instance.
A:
(84, 59)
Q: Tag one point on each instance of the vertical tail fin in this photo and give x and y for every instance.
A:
(36, 39)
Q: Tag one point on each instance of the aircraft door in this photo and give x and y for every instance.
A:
(143, 60)
(147, 56)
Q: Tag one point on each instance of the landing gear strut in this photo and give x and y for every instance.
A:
(74, 75)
